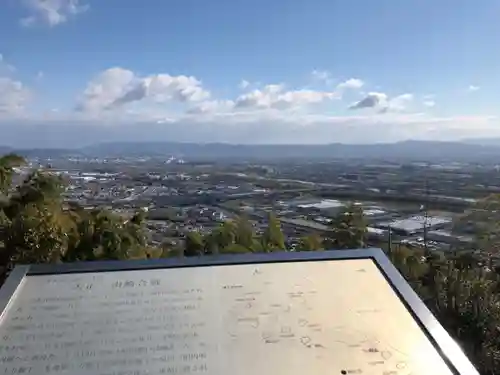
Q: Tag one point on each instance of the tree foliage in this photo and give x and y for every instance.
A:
(311, 242)
(272, 238)
(244, 233)
(36, 227)
(7, 164)
(349, 229)
(194, 244)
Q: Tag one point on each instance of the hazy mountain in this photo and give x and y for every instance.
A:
(400, 151)
(483, 141)
(408, 150)
(46, 152)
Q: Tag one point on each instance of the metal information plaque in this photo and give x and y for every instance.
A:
(338, 312)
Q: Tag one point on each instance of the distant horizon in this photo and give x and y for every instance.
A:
(495, 142)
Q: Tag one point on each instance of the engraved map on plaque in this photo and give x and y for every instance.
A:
(295, 318)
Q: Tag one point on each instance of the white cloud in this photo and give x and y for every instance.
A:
(372, 100)
(429, 103)
(275, 96)
(40, 75)
(116, 87)
(52, 12)
(119, 104)
(400, 102)
(244, 84)
(473, 88)
(212, 106)
(106, 88)
(352, 83)
(384, 104)
(321, 75)
(13, 96)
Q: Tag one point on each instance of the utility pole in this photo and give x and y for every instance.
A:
(389, 247)
(426, 213)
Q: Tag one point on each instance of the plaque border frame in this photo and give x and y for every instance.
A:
(444, 344)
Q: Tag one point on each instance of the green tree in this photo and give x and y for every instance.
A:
(349, 229)
(194, 245)
(135, 228)
(147, 252)
(235, 249)
(7, 164)
(103, 235)
(468, 307)
(220, 238)
(37, 189)
(273, 238)
(311, 242)
(168, 251)
(465, 300)
(244, 233)
(33, 228)
(482, 222)
(35, 235)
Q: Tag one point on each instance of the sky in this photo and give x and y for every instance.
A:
(77, 72)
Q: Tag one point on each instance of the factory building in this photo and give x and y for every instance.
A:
(415, 224)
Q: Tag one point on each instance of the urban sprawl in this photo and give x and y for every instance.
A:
(416, 202)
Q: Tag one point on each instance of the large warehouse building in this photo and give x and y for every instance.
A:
(415, 224)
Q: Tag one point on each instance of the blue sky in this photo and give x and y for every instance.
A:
(74, 72)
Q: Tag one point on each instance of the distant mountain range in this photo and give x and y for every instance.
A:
(482, 141)
(466, 150)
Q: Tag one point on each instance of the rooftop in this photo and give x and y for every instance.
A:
(416, 223)
(323, 204)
